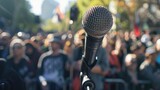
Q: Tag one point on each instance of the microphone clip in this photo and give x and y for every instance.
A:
(86, 81)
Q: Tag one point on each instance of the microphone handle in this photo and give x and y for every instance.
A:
(91, 47)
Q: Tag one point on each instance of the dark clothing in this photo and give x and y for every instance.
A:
(34, 60)
(12, 80)
(53, 86)
(131, 86)
(128, 43)
(33, 56)
(115, 66)
(151, 73)
(23, 68)
(77, 55)
(4, 52)
(140, 58)
(121, 57)
(52, 68)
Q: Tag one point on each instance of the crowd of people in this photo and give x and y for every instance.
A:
(52, 61)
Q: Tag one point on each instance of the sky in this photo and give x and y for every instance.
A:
(36, 5)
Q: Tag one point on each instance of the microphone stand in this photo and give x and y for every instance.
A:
(86, 81)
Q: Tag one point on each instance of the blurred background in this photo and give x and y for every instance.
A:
(42, 41)
(55, 15)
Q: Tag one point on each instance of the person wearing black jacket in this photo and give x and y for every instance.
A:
(9, 79)
(20, 62)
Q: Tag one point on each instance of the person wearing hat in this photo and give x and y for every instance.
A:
(51, 66)
(149, 69)
(18, 60)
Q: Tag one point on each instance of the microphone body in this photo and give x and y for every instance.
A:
(96, 22)
(91, 47)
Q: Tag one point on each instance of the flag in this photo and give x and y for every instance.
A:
(137, 31)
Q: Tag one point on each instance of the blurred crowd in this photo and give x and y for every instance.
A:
(52, 61)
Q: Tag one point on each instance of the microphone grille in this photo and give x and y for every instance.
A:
(97, 21)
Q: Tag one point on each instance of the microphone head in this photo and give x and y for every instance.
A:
(97, 21)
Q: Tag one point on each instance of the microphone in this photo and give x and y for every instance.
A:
(96, 22)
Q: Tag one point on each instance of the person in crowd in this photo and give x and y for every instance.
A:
(9, 79)
(145, 37)
(133, 36)
(155, 38)
(38, 43)
(19, 61)
(149, 69)
(114, 62)
(120, 50)
(128, 41)
(47, 43)
(52, 66)
(77, 55)
(40, 38)
(68, 48)
(33, 53)
(131, 74)
(138, 49)
(98, 71)
(5, 39)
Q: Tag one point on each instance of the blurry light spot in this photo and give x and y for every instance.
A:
(44, 83)
(20, 34)
(42, 80)
(64, 37)
(69, 35)
(68, 43)
(145, 5)
(96, 58)
(71, 22)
